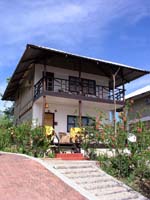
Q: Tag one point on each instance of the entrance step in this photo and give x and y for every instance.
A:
(70, 156)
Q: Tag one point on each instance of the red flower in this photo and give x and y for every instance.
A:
(113, 138)
(139, 130)
(122, 127)
(97, 127)
(124, 119)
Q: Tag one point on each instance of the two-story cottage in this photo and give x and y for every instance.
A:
(140, 109)
(52, 87)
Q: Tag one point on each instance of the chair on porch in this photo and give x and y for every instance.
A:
(76, 134)
(52, 137)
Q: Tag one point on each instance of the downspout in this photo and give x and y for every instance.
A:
(114, 86)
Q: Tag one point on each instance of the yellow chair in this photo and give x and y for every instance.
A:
(76, 131)
(49, 130)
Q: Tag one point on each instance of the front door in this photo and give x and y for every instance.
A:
(49, 119)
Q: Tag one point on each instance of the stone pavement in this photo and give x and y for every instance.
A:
(24, 179)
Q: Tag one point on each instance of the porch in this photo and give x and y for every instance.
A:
(61, 108)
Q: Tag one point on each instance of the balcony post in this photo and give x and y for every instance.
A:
(80, 102)
(123, 92)
(114, 86)
(44, 97)
(80, 113)
(80, 84)
(44, 79)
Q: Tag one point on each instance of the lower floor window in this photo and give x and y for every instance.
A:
(73, 121)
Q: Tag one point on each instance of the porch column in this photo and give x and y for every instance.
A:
(80, 113)
(80, 102)
(123, 92)
(114, 86)
(114, 99)
(44, 97)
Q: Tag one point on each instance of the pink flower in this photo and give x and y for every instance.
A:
(139, 130)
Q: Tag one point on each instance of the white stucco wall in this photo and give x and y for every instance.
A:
(65, 73)
(37, 114)
(61, 110)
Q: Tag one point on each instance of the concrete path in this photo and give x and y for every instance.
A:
(24, 179)
(88, 176)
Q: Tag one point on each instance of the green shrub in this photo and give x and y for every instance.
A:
(24, 139)
(132, 158)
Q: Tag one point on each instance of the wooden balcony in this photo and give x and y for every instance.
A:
(64, 88)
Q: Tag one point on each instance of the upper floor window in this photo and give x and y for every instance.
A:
(74, 84)
(85, 86)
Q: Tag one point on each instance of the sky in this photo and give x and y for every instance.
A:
(114, 30)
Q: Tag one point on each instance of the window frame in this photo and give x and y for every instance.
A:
(75, 83)
(82, 84)
(75, 119)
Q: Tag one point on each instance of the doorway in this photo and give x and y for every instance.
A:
(49, 119)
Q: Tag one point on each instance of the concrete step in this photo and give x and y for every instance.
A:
(97, 186)
(97, 179)
(109, 190)
(69, 163)
(83, 175)
(125, 195)
(73, 166)
(78, 170)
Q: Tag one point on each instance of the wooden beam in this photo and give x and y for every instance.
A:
(22, 114)
(101, 68)
(80, 97)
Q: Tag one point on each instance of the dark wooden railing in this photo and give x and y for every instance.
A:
(59, 85)
(38, 88)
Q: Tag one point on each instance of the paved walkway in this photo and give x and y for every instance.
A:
(24, 179)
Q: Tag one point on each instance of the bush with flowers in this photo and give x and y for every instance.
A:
(131, 160)
(24, 139)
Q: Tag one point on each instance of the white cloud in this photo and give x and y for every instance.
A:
(27, 20)
(64, 24)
